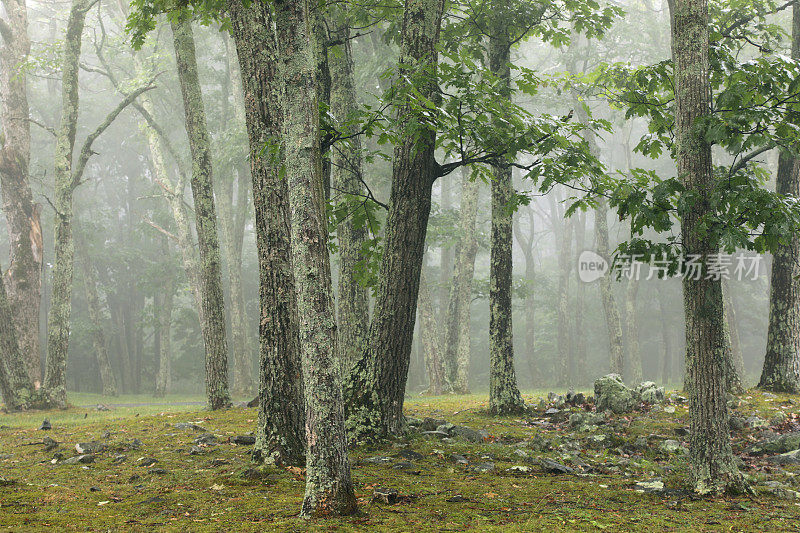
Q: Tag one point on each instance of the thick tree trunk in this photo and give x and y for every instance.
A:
(346, 175)
(457, 340)
(96, 320)
(280, 434)
(212, 319)
(633, 354)
(781, 371)
(713, 466)
(504, 396)
(23, 279)
(16, 390)
(431, 339)
(376, 385)
(329, 487)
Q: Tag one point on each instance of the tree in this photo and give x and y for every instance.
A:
(431, 339)
(713, 466)
(23, 280)
(280, 434)
(212, 317)
(16, 389)
(781, 371)
(329, 487)
(504, 396)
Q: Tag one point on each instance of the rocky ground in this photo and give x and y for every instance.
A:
(615, 459)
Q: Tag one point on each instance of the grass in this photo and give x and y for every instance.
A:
(217, 490)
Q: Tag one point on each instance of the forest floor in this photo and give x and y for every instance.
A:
(153, 475)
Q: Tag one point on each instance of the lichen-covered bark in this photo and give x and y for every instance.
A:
(23, 279)
(713, 466)
(60, 302)
(666, 337)
(457, 339)
(376, 384)
(212, 319)
(162, 304)
(346, 175)
(329, 487)
(781, 371)
(96, 320)
(525, 241)
(733, 372)
(564, 236)
(633, 361)
(504, 396)
(429, 328)
(280, 434)
(16, 390)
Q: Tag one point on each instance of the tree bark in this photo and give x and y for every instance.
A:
(713, 466)
(16, 390)
(781, 371)
(212, 319)
(526, 243)
(329, 487)
(564, 237)
(634, 355)
(96, 319)
(280, 434)
(579, 357)
(429, 328)
(666, 338)
(24, 277)
(163, 314)
(376, 384)
(504, 396)
(457, 340)
(346, 176)
(733, 353)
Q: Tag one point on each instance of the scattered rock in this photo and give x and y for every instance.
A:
(94, 489)
(611, 394)
(670, 446)
(469, 434)
(413, 422)
(147, 461)
(483, 468)
(446, 427)
(407, 466)
(778, 419)
(4, 456)
(521, 453)
(189, 425)
(158, 471)
(556, 399)
(379, 460)
(244, 440)
(219, 462)
(119, 459)
(206, 439)
(196, 450)
(384, 495)
(46, 426)
(599, 441)
(101, 407)
(90, 447)
(575, 398)
(436, 434)
(756, 422)
(49, 444)
(552, 411)
(788, 458)
(430, 424)
(135, 444)
(410, 455)
(782, 444)
(458, 459)
(553, 467)
(654, 485)
(519, 469)
(82, 459)
(669, 409)
(649, 392)
(585, 420)
(641, 443)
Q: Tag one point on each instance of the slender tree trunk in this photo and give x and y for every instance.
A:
(457, 340)
(526, 243)
(713, 466)
(429, 328)
(504, 396)
(96, 320)
(579, 357)
(564, 236)
(733, 353)
(347, 174)
(24, 276)
(376, 385)
(666, 338)
(781, 371)
(280, 434)
(633, 354)
(163, 310)
(446, 251)
(213, 316)
(16, 389)
(329, 487)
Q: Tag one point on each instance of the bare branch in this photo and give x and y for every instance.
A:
(162, 230)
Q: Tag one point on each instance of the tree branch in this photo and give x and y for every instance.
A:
(739, 165)
(86, 150)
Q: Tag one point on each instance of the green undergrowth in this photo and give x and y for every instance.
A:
(217, 489)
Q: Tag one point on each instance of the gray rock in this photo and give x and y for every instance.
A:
(782, 444)
(385, 495)
(599, 441)
(430, 424)
(46, 425)
(611, 394)
(585, 420)
(649, 392)
(519, 469)
(756, 422)
(206, 439)
(483, 468)
(379, 460)
(90, 447)
(788, 458)
(737, 423)
(552, 411)
(407, 466)
(458, 459)
(653, 485)
(469, 434)
(446, 428)
(101, 407)
(49, 444)
(118, 459)
(244, 440)
(778, 419)
(410, 455)
(195, 450)
(147, 461)
(189, 425)
(575, 398)
(436, 434)
(553, 467)
(82, 459)
(413, 422)
(670, 446)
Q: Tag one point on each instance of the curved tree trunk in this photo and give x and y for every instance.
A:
(329, 487)
(280, 434)
(24, 277)
(212, 319)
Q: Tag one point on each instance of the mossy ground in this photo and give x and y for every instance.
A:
(215, 491)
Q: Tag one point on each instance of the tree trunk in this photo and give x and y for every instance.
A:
(564, 236)
(526, 243)
(431, 339)
(24, 277)
(280, 434)
(329, 487)
(347, 173)
(16, 389)
(446, 251)
(713, 466)
(457, 341)
(96, 320)
(59, 317)
(504, 396)
(376, 384)
(579, 357)
(163, 311)
(634, 355)
(733, 354)
(666, 338)
(212, 319)
(781, 371)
